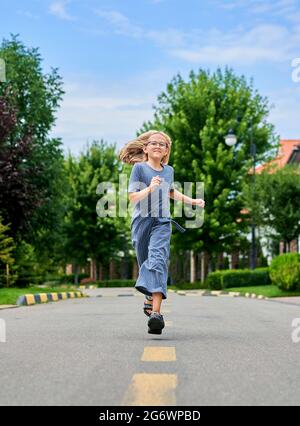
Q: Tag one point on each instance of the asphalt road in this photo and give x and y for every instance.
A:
(97, 351)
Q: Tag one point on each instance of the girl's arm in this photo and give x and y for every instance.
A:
(139, 195)
(176, 195)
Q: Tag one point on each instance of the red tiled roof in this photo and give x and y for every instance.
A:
(285, 151)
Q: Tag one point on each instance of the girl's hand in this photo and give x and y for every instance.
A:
(199, 202)
(155, 181)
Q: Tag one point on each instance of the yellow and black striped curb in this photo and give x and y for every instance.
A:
(220, 293)
(32, 299)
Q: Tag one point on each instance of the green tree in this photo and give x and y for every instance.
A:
(87, 235)
(6, 250)
(197, 115)
(32, 176)
(31, 162)
(274, 202)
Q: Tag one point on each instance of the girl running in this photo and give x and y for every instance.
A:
(151, 185)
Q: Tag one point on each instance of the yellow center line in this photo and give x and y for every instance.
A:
(151, 389)
(159, 353)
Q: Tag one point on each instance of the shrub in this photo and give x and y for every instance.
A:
(219, 280)
(285, 271)
(70, 278)
(27, 280)
(214, 280)
(116, 283)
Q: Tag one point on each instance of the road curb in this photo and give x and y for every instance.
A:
(89, 287)
(220, 293)
(8, 306)
(33, 299)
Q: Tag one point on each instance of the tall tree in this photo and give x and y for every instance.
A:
(31, 162)
(87, 234)
(197, 114)
(274, 203)
(6, 251)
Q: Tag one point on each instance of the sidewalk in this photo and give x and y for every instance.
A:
(292, 300)
(8, 306)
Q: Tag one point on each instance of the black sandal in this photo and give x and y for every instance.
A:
(148, 306)
(155, 323)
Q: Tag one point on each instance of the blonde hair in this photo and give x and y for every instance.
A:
(133, 152)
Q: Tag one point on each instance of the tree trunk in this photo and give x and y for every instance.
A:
(235, 260)
(75, 269)
(192, 266)
(94, 269)
(205, 258)
(284, 247)
(101, 272)
(112, 270)
(220, 261)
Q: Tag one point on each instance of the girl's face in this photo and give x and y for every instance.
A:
(156, 147)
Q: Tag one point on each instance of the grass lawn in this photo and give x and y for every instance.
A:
(9, 296)
(265, 290)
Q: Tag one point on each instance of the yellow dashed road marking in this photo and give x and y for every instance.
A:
(159, 353)
(151, 389)
(168, 323)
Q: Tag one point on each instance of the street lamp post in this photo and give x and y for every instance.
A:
(230, 140)
(253, 245)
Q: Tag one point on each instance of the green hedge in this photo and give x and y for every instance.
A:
(214, 280)
(27, 280)
(220, 280)
(51, 280)
(120, 283)
(70, 278)
(115, 283)
(285, 271)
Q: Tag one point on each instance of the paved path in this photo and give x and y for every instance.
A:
(96, 351)
(292, 300)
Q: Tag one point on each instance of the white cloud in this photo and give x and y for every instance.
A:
(93, 109)
(58, 9)
(286, 111)
(121, 23)
(27, 14)
(282, 8)
(123, 26)
(294, 17)
(262, 43)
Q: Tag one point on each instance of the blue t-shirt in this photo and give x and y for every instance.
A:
(157, 203)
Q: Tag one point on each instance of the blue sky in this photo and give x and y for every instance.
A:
(117, 56)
